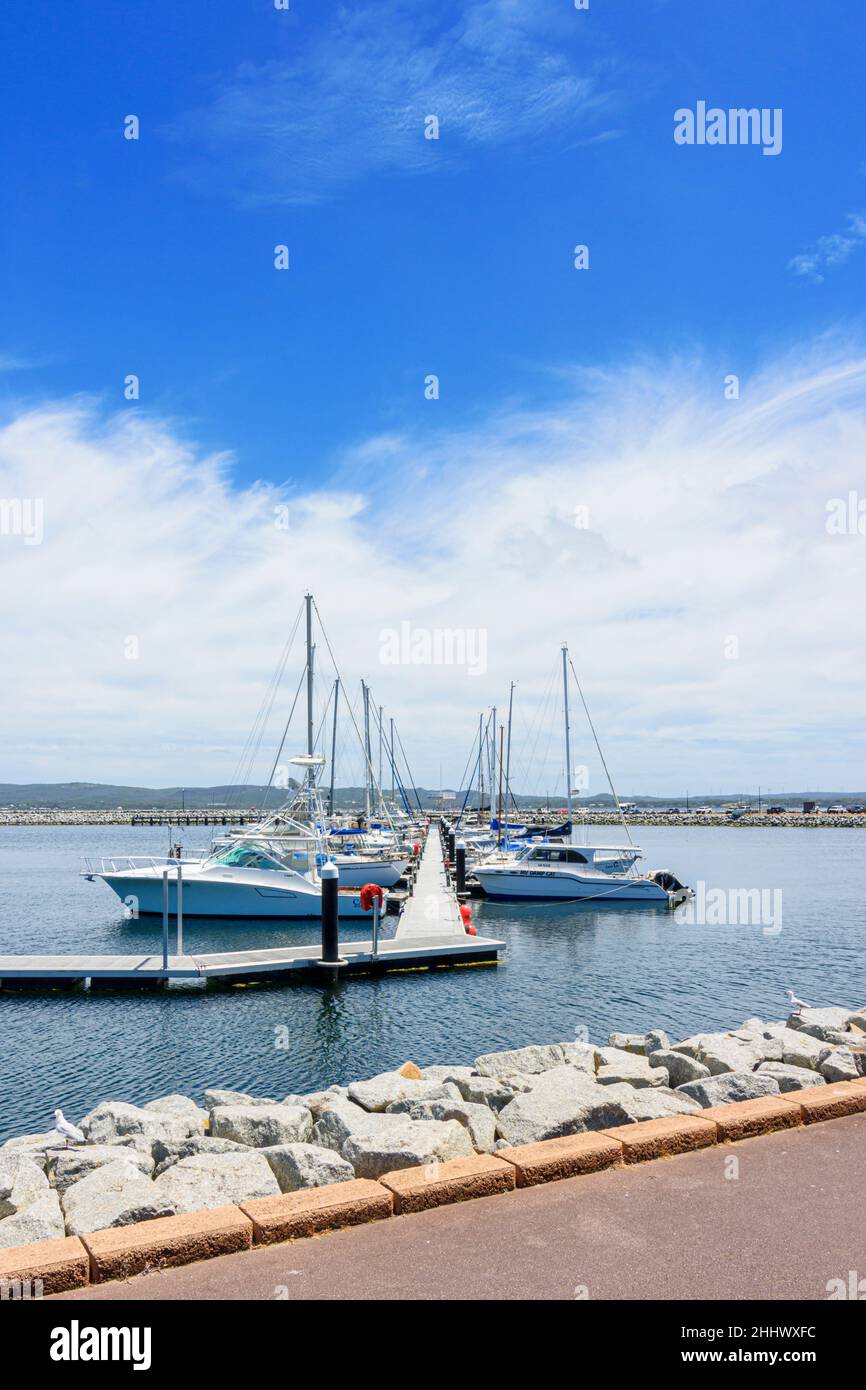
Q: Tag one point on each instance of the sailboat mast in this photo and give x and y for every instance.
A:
(381, 741)
(366, 690)
(393, 770)
(508, 749)
(480, 762)
(308, 600)
(333, 747)
(567, 728)
(501, 737)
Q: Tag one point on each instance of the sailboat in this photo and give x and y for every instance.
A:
(267, 870)
(562, 871)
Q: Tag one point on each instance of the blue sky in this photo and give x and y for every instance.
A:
(454, 257)
(451, 257)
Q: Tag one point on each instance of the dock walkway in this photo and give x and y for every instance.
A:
(433, 905)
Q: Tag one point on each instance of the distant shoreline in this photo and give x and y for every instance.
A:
(149, 819)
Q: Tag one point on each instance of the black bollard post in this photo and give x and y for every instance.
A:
(452, 838)
(461, 868)
(165, 919)
(330, 876)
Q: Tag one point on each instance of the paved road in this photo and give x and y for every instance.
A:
(673, 1229)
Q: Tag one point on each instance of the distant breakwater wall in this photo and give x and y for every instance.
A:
(796, 819)
(147, 817)
(128, 817)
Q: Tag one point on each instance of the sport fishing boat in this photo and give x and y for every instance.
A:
(242, 880)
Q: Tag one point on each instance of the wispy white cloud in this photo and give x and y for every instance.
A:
(831, 250)
(353, 100)
(704, 519)
(15, 362)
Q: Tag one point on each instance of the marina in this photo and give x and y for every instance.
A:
(279, 909)
(429, 934)
(432, 817)
(561, 968)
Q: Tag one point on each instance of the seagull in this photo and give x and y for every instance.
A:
(66, 1130)
(797, 1004)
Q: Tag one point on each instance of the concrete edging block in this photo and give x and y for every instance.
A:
(57, 1264)
(549, 1160)
(167, 1241)
(314, 1209)
(745, 1119)
(455, 1180)
(673, 1134)
(832, 1101)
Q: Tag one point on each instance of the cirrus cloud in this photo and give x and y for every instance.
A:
(353, 98)
(645, 519)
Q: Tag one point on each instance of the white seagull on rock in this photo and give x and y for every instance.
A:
(66, 1130)
(797, 1004)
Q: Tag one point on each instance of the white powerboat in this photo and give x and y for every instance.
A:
(568, 873)
(236, 880)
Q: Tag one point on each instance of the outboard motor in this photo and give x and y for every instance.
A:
(667, 880)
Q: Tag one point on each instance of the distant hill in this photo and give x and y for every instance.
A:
(100, 796)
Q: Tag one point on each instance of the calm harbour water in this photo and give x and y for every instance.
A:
(564, 968)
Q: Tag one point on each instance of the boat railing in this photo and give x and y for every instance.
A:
(125, 863)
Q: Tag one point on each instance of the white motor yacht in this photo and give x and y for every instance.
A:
(238, 880)
(557, 873)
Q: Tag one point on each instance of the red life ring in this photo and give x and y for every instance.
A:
(368, 893)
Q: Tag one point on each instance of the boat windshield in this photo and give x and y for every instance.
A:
(551, 854)
(247, 857)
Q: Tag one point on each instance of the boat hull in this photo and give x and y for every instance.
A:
(538, 886)
(386, 873)
(214, 898)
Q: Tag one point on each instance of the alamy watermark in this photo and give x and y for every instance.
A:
(732, 907)
(738, 125)
(846, 516)
(852, 1288)
(434, 646)
(20, 1290)
(24, 517)
(77, 1343)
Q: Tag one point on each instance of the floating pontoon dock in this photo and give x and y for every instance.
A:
(429, 935)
